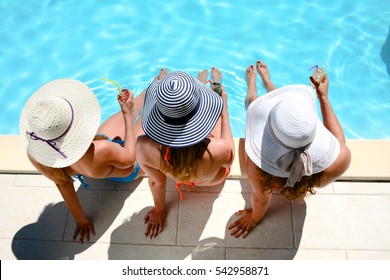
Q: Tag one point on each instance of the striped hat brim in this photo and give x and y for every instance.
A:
(181, 134)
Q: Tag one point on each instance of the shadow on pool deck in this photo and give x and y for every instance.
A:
(102, 202)
(193, 237)
(194, 228)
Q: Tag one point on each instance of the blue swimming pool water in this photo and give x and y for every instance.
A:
(128, 41)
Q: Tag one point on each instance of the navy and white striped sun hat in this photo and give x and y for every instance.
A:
(180, 111)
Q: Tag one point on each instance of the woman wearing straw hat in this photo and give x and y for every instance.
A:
(59, 126)
(188, 138)
(287, 147)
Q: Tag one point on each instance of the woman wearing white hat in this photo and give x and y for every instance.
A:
(287, 147)
(59, 126)
(188, 138)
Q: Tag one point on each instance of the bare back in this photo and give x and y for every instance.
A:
(104, 159)
(211, 170)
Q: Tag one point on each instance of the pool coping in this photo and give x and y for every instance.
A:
(370, 159)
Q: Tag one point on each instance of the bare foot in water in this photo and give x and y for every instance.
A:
(202, 76)
(251, 94)
(163, 72)
(250, 76)
(263, 71)
(216, 75)
(216, 80)
(139, 101)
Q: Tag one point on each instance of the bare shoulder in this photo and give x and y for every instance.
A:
(47, 172)
(98, 157)
(339, 166)
(146, 149)
(220, 149)
(102, 148)
(144, 142)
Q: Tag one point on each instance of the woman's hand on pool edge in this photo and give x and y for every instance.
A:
(155, 220)
(83, 228)
(243, 225)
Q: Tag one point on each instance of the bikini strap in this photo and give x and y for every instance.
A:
(190, 186)
(167, 156)
(81, 179)
(101, 136)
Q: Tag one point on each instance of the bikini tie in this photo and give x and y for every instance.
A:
(81, 180)
(190, 186)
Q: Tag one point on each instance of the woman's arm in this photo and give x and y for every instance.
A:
(148, 159)
(332, 124)
(112, 154)
(127, 108)
(328, 116)
(83, 226)
(260, 203)
(226, 133)
(155, 218)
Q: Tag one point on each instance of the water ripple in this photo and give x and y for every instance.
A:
(129, 42)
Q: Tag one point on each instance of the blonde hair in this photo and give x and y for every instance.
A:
(182, 162)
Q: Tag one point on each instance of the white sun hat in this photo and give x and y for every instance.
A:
(59, 122)
(285, 136)
(180, 111)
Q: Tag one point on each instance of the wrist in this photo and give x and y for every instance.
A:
(160, 209)
(323, 99)
(79, 217)
(128, 115)
(253, 221)
(225, 109)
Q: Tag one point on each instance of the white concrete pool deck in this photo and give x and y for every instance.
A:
(349, 219)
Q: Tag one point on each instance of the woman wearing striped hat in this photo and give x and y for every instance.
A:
(187, 137)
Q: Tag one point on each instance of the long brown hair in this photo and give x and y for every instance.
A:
(300, 189)
(182, 162)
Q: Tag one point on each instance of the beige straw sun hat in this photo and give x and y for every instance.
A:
(59, 122)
